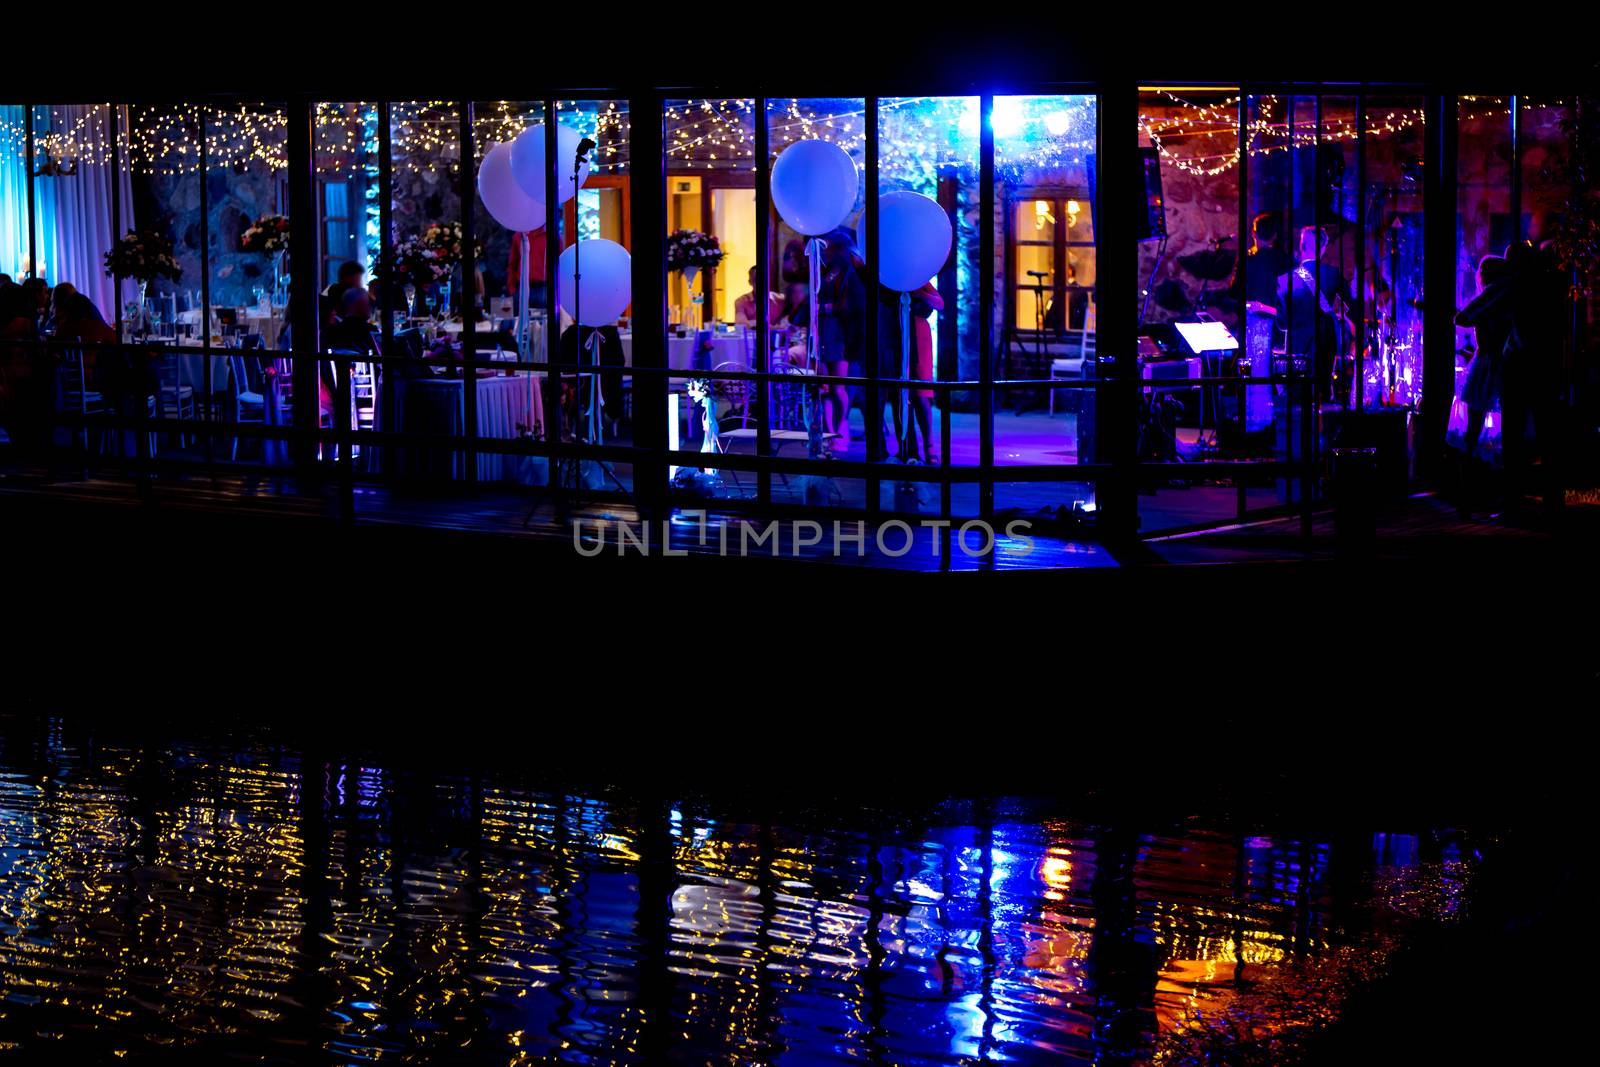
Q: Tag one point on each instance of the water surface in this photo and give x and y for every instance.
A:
(241, 900)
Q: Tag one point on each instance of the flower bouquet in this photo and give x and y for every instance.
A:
(143, 256)
(269, 234)
(430, 258)
(689, 251)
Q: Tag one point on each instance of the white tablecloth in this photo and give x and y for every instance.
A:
(507, 408)
(255, 319)
(725, 349)
(267, 324)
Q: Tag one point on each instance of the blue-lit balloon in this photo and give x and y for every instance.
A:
(507, 203)
(814, 186)
(914, 236)
(607, 284)
(528, 162)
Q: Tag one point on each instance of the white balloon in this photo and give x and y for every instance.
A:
(527, 162)
(510, 206)
(914, 237)
(607, 283)
(814, 186)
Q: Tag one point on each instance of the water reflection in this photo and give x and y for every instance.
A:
(245, 900)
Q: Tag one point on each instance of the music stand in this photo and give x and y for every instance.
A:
(1206, 339)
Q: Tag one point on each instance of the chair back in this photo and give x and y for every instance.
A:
(241, 381)
(71, 371)
(283, 379)
(167, 372)
(737, 390)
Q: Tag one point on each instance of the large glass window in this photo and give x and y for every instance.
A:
(596, 407)
(247, 216)
(168, 161)
(835, 411)
(422, 277)
(716, 297)
(1391, 227)
(929, 146)
(1327, 305)
(1189, 274)
(509, 322)
(1485, 227)
(1250, 372)
(1045, 197)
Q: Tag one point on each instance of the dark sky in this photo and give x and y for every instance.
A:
(373, 51)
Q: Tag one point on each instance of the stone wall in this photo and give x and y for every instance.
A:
(1199, 208)
(235, 198)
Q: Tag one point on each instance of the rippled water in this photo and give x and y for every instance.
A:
(238, 901)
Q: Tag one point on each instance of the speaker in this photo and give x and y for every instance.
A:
(1385, 434)
(1153, 222)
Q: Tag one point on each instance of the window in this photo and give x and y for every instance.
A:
(1052, 257)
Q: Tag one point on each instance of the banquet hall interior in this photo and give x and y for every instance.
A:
(362, 291)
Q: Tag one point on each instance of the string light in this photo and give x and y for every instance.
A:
(702, 134)
(1221, 120)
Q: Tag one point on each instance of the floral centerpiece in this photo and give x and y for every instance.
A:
(444, 239)
(429, 258)
(421, 264)
(144, 256)
(269, 234)
(690, 250)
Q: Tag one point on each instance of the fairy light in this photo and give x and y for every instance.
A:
(917, 135)
(702, 134)
(1218, 121)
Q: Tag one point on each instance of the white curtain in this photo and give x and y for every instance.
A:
(13, 191)
(74, 230)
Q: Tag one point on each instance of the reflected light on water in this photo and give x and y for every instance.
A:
(243, 900)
